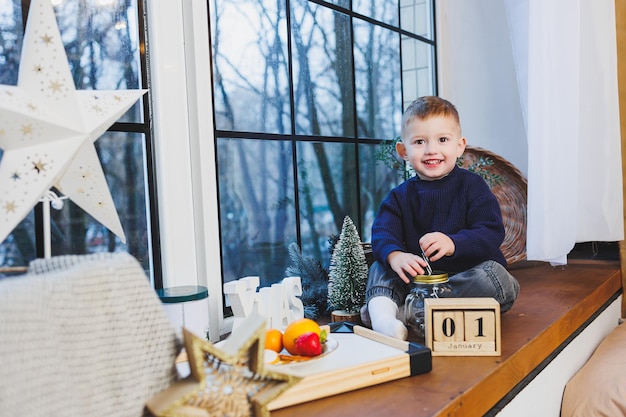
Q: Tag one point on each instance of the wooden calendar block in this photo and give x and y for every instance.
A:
(480, 325)
(462, 326)
(448, 328)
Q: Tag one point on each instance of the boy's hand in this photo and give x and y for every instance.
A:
(436, 245)
(406, 265)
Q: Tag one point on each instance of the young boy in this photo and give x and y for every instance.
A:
(445, 211)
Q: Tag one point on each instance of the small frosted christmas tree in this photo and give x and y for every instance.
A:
(348, 271)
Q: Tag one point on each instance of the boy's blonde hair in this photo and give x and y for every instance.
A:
(428, 106)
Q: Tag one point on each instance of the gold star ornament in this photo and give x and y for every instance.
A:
(229, 380)
(46, 121)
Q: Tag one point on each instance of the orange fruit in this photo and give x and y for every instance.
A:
(274, 340)
(297, 328)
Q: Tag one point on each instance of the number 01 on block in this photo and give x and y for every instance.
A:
(462, 326)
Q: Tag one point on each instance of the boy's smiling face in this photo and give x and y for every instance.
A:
(432, 146)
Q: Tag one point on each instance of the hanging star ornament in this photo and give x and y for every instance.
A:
(227, 381)
(48, 130)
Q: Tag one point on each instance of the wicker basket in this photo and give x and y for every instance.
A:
(511, 192)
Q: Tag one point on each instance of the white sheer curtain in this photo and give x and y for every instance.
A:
(565, 58)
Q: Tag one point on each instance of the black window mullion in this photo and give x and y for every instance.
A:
(151, 169)
(294, 142)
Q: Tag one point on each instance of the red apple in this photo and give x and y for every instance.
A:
(308, 344)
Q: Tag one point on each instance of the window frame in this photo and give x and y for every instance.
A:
(183, 128)
(136, 127)
(178, 38)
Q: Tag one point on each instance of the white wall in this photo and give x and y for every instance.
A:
(477, 74)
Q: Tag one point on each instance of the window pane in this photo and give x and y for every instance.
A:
(377, 179)
(416, 16)
(382, 10)
(101, 43)
(250, 66)
(322, 67)
(74, 231)
(19, 248)
(11, 35)
(418, 72)
(327, 191)
(257, 215)
(378, 82)
(102, 46)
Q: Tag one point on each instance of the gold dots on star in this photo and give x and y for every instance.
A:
(96, 109)
(46, 39)
(39, 166)
(55, 86)
(2, 132)
(27, 129)
(31, 107)
(9, 207)
(117, 98)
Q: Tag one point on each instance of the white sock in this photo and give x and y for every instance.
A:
(383, 312)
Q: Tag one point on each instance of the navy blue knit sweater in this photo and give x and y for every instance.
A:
(460, 205)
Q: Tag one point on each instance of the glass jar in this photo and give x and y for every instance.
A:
(424, 286)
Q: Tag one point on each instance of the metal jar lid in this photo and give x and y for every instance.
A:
(435, 278)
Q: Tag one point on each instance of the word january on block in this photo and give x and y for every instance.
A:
(279, 303)
(462, 326)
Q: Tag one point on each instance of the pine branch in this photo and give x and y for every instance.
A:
(314, 280)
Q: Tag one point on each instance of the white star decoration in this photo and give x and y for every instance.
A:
(48, 130)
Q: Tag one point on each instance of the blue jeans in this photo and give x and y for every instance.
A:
(487, 279)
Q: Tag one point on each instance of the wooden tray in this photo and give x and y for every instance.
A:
(361, 359)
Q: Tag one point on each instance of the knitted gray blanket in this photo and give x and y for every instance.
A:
(83, 336)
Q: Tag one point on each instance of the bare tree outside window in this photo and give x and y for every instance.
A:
(385, 11)
(250, 66)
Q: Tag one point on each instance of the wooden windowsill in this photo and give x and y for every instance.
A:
(554, 304)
